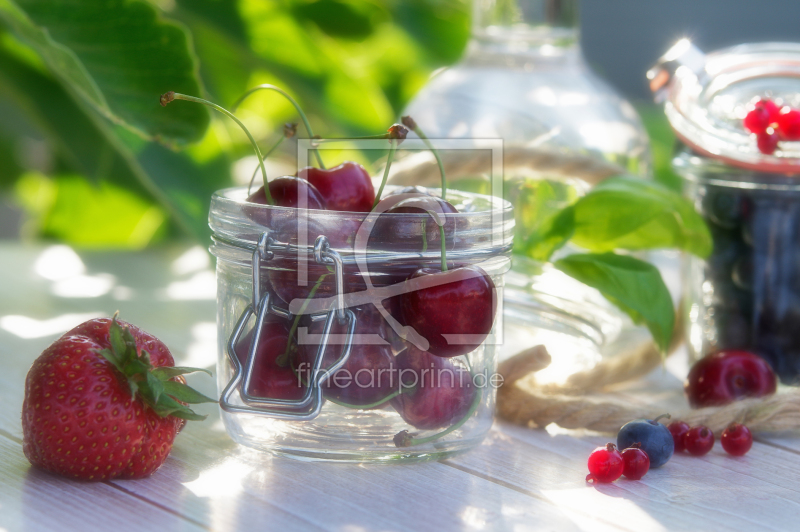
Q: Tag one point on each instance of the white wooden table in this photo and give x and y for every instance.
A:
(519, 479)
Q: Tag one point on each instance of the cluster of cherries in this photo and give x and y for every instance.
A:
(736, 439)
(772, 123)
(607, 464)
(460, 302)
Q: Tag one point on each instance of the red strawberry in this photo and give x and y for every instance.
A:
(100, 403)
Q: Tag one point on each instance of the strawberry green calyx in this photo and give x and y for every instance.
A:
(154, 385)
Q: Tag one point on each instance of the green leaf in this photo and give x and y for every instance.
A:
(118, 57)
(168, 406)
(115, 337)
(551, 234)
(633, 285)
(184, 393)
(165, 373)
(156, 387)
(630, 213)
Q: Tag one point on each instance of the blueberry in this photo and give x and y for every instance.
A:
(655, 439)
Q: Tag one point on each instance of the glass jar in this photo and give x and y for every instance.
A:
(342, 389)
(746, 294)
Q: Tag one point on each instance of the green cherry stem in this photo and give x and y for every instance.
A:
(266, 156)
(168, 97)
(286, 95)
(283, 359)
(412, 125)
(368, 137)
(389, 157)
(444, 248)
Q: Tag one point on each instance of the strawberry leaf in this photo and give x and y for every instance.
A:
(185, 393)
(165, 373)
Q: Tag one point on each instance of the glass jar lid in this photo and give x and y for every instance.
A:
(707, 96)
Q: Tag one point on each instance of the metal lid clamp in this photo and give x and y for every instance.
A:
(309, 405)
(682, 55)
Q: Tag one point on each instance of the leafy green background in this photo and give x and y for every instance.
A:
(96, 162)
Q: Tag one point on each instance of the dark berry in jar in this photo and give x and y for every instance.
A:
(723, 377)
(347, 187)
(272, 376)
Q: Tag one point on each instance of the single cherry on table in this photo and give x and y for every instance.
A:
(736, 439)
(636, 463)
(605, 464)
(723, 377)
(698, 441)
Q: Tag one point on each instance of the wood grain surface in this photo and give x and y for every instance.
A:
(519, 479)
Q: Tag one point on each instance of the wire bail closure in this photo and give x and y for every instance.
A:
(309, 405)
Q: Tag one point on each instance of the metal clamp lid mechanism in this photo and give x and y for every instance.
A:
(310, 404)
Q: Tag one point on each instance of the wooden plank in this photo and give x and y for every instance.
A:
(712, 492)
(34, 500)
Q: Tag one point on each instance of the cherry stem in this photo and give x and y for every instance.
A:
(286, 95)
(170, 96)
(410, 123)
(389, 157)
(266, 156)
(661, 417)
(283, 359)
(444, 250)
(368, 137)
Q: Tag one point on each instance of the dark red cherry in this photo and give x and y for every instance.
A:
(417, 230)
(736, 439)
(764, 114)
(367, 376)
(286, 191)
(605, 464)
(269, 379)
(678, 429)
(723, 377)
(789, 124)
(636, 463)
(767, 141)
(347, 187)
(698, 441)
(435, 393)
(455, 315)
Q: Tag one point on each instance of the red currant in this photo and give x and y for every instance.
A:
(736, 439)
(761, 117)
(789, 124)
(767, 141)
(605, 464)
(698, 441)
(678, 429)
(636, 463)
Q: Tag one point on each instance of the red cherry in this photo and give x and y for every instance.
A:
(286, 192)
(736, 439)
(698, 441)
(348, 187)
(605, 464)
(636, 463)
(678, 429)
(436, 393)
(723, 377)
(789, 124)
(270, 379)
(764, 114)
(455, 316)
(767, 141)
(367, 375)
(413, 232)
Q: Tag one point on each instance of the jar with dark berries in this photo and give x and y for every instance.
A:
(735, 113)
(346, 336)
